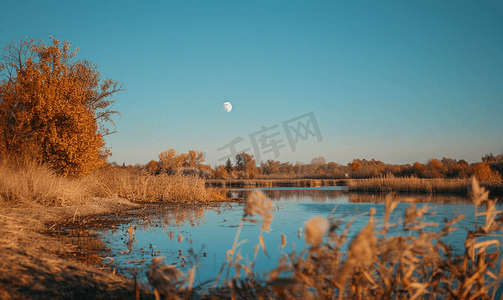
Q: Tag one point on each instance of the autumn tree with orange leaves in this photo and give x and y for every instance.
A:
(53, 108)
(171, 160)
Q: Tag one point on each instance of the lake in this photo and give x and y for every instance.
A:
(210, 230)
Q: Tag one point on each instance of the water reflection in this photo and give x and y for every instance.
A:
(318, 195)
(358, 197)
(163, 231)
(187, 235)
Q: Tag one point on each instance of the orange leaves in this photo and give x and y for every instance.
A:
(171, 159)
(483, 172)
(355, 165)
(52, 107)
(168, 158)
(220, 172)
(195, 158)
(246, 164)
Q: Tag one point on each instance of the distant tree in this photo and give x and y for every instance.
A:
(246, 164)
(332, 167)
(196, 159)
(494, 162)
(355, 165)
(417, 169)
(54, 108)
(463, 163)
(457, 171)
(171, 160)
(448, 162)
(228, 165)
(370, 168)
(299, 167)
(318, 165)
(396, 170)
(153, 167)
(483, 172)
(168, 159)
(318, 161)
(271, 167)
(287, 168)
(220, 172)
(434, 169)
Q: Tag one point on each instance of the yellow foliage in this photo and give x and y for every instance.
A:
(483, 172)
(50, 107)
(220, 172)
(355, 165)
(171, 159)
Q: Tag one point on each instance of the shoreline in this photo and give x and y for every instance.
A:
(48, 252)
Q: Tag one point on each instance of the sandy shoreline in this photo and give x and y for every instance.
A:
(49, 252)
(39, 260)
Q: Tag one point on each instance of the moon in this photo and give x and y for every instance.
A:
(228, 106)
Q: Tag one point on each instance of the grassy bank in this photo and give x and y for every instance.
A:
(39, 262)
(419, 185)
(24, 183)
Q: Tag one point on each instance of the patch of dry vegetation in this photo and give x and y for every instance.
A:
(24, 182)
(140, 186)
(391, 183)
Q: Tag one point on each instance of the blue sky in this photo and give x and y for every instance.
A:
(398, 81)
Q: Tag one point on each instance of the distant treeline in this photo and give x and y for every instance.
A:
(489, 168)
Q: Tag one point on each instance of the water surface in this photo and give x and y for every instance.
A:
(210, 231)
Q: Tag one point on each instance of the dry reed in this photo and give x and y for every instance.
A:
(145, 187)
(391, 183)
(25, 182)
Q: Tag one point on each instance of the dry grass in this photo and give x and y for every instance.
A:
(417, 185)
(25, 182)
(145, 187)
